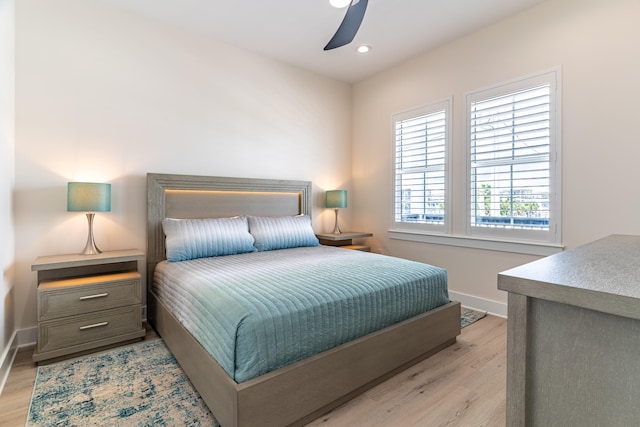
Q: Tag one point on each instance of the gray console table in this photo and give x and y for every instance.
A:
(573, 340)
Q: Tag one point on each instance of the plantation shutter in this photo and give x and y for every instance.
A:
(420, 169)
(510, 160)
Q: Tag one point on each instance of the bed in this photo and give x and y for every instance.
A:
(310, 383)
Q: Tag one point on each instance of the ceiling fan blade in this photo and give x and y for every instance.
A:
(349, 26)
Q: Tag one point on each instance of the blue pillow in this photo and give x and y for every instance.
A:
(281, 232)
(200, 238)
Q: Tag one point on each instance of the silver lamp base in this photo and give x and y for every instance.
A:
(336, 227)
(90, 248)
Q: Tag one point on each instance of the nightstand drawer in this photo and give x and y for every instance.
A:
(84, 329)
(62, 298)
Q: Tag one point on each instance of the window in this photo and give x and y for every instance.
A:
(513, 188)
(421, 172)
(509, 198)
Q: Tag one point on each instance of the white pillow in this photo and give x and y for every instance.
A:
(199, 238)
(281, 232)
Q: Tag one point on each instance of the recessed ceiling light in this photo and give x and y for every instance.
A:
(363, 48)
(339, 3)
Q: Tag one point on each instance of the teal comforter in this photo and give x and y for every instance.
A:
(260, 311)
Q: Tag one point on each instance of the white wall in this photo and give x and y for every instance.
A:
(104, 95)
(596, 44)
(7, 160)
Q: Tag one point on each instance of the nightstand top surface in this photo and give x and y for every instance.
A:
(345, 235)
(52, 262)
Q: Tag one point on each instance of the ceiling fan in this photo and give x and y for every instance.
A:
(349, 26)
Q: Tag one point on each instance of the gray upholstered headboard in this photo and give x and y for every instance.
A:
(191, 196)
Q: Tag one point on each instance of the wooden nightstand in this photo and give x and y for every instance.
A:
(87, 301)
(344, 240)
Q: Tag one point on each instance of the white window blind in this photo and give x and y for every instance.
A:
(511, 160)
(421, 138)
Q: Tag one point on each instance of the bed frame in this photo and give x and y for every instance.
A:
(301, 392)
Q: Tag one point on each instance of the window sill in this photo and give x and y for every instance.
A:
(520, 247)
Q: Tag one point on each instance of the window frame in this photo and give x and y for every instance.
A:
(553, 234)
(457, 232)
(445, 106)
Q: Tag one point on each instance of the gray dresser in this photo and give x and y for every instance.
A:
(573, 340)
(87, 301)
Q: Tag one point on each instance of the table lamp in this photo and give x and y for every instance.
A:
(336, 199)
(89, 197)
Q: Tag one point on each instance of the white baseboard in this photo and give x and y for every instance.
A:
(492, 307)
(18, 339)
(27, 336)
(6, 360)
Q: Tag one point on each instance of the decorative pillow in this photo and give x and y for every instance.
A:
(200, 238)
(281, 232)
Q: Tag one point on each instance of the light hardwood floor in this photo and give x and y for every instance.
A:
(463, 385)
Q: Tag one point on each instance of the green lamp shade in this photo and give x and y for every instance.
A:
(336, 199)
(88, 197)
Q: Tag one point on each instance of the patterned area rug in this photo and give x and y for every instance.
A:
(138, 385)
(469, 316)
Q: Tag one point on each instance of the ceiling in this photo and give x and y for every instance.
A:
(295, 31)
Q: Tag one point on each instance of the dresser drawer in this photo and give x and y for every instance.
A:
(62, 298)
(87, 328)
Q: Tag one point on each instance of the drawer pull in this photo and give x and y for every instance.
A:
(94, 296)
(95, 325)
